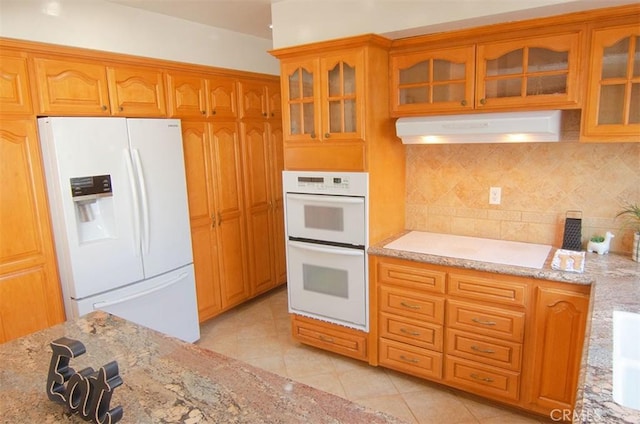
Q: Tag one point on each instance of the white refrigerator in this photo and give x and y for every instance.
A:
(118, 201)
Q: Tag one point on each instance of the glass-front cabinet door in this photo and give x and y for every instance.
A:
(301, 114)
(342, 96)
(432, 81)
(531, 71)
(613, 104)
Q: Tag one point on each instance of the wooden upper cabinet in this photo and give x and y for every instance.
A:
(259, 99)
(222, 93)
(300, 88)
(187, 95)
(193, 95)
(612, 110)
(71, 88)
(433, 81)
(84, 88)
(342, 95)
(537, 71)
(324, 97)
(15, 96)
(136, 92)
(526, 73)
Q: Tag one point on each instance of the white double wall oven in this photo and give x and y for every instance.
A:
(326, 220)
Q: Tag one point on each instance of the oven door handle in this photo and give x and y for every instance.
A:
(330, 250)
(325, 199)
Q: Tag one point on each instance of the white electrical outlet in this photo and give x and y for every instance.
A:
(495, 193)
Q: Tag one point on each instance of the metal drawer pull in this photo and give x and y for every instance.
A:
(409, 332)
(412, 360)
(326, 339)
(477, 349)
(479, 321)
(485, 379)
(410, 306)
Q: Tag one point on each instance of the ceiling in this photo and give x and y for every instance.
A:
(251, 17)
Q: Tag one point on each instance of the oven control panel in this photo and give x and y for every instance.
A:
(345, 183)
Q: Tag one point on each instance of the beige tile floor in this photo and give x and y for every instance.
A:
(258, 332)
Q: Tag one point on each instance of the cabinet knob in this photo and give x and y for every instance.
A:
(265, 114)
(273, 114)
(327, 135)
(313, 134)
(104, 107)
(219, 218)
(213, 112)
(483, 101)
(463, 103)
(120, 108)
(204, 112)
(213, 221)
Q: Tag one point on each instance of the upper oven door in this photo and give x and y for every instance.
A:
(338, 219)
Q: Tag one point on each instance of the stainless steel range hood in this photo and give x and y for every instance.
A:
(508, 127)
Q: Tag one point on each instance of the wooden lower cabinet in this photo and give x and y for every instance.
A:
(518, 341)
(560, 316)
(30, 295)
(334, 338)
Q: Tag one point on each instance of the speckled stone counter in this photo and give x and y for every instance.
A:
(164, 381)
(616, 286)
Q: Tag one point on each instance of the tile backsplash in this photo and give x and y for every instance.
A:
(448, 189)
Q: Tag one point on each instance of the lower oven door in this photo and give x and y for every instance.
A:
(328, 283)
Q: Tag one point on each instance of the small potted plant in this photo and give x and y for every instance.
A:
(632, 213)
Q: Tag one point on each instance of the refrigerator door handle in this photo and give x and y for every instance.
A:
(136, 204)
(145, 201)
(171, 282)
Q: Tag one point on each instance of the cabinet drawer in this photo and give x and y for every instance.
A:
(410, 304)
(332, 337)
(410, 359)
(486, 320)
(487, 350)
(412, 276)
(483, 380)
(421, 334)
(488, 289)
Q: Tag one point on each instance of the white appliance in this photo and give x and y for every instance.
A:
(503, 127)
(117, 194)
(326, 219)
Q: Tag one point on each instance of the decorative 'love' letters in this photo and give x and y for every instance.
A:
(87, 392)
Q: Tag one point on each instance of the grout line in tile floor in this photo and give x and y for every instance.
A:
(258, 332)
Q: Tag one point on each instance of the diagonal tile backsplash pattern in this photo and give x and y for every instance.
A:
(448, 189)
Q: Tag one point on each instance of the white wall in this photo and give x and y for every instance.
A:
(298, 22)
(105, 26)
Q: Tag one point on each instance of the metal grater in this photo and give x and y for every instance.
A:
(572, 239)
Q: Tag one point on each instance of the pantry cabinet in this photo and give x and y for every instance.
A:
(511, 339)
(67, 87)
(15, 92)
(30, 294)
(265, 215)
(213, 162)
(612, 110)
(526, 72)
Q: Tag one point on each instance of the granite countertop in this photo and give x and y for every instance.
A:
(616, 286)
(164, 381)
